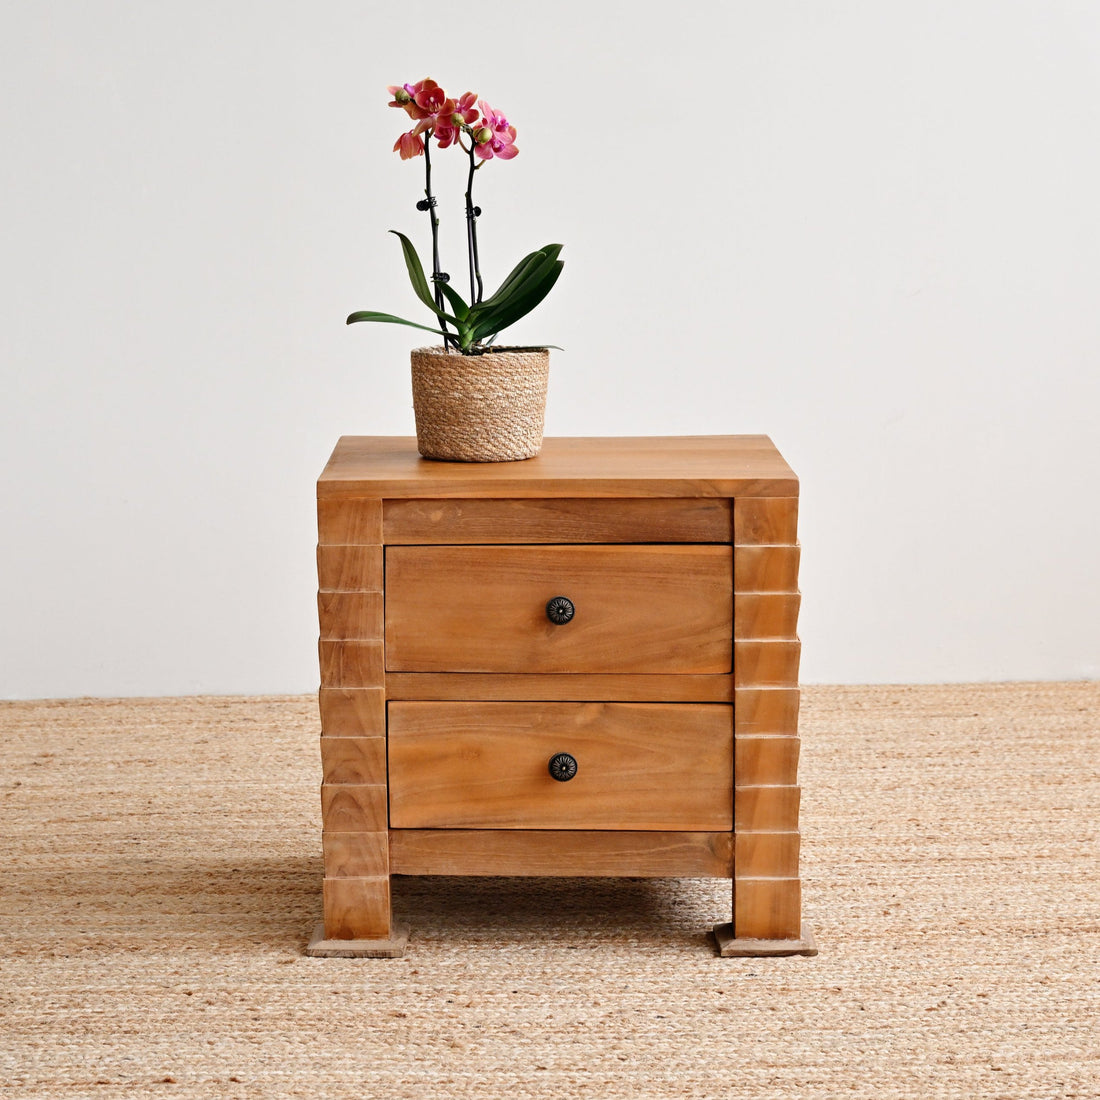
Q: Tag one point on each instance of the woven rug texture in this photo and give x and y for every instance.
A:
(162, 874)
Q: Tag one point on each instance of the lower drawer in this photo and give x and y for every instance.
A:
(661, 766)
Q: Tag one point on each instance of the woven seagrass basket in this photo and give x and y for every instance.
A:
(480, 408)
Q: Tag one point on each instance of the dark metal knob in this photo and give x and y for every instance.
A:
(560, 610)
(563, 767)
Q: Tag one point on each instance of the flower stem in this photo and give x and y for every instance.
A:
(448, 340)
(472, 212)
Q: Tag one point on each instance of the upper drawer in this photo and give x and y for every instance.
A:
(562, 520)
(642, 609)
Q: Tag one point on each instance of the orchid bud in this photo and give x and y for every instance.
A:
(402, 96)
(482, 135)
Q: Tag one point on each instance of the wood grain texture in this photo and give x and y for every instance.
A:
(349, 568)
(765, 760)
(766, 809)
(353, 759)
(766, 568)
(570, 687)
(356, 855)
(352, 712)
(639, 609)
(766, 662)
(758, 520)
(350, 664)
(351, 615)
(766, 614)
(769, 855)
(668, 466)
(555, 853)
(557, 521)
(766, 519)
(357, 908)
(767, 908)
(350, 521)
(354, 805)
(354, 808)
(766, 710)
(484, 765)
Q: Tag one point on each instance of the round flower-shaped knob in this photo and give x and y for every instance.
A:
(563, 767)
(560, 610)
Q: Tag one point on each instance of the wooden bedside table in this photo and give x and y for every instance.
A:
(585, 663)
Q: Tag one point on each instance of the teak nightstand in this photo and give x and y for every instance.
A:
(585, 663)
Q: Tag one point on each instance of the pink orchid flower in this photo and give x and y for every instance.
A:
(440, 125)
(451, 118)
(502, 137)
(404, 96)
(400, 89)
(467, 108)
(494, 119)
(494, 137)
(409, 145)
(430, 97)
(446, 131)
(498, 146)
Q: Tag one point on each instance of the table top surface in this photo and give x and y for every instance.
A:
(608, 466)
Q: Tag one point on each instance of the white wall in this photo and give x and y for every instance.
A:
(867, 229)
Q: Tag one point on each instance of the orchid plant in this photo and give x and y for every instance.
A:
(483, 134)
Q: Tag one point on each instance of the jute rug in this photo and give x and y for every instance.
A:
(161, 875)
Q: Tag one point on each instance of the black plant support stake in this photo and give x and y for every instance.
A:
(428, 203)
(472, 212)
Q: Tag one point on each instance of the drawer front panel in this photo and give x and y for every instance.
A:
(642, 766)
(709, 519)
(639, 609)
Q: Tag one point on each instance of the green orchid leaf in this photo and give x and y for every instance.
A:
(536, 269)
(518, 305)
(533, 287)
(461, 309)
(548, 252)
(419, 280)
(531, 268)
(526, 286)
(416, 271)
(513, 275)
(551, 251)
(388, 318)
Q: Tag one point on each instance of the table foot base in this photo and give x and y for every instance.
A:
(391, 948)
(730, 947)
